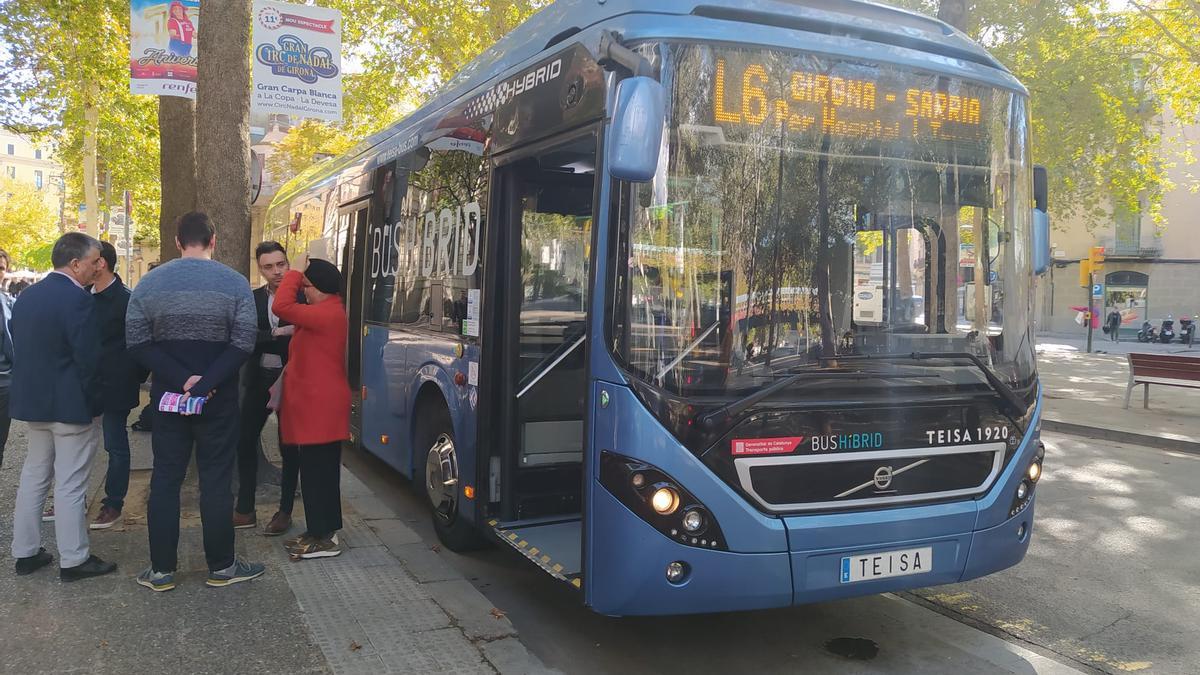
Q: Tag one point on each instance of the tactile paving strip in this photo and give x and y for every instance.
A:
(368, 615)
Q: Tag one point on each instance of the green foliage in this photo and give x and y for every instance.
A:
(63, 57)
(302, 146)
(1100, 82)
(27, 224)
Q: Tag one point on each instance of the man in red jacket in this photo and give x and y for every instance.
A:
(315, 411)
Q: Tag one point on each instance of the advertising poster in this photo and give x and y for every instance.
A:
(162, 50)
(297, 60)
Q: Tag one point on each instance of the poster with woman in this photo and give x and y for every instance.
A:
(162, 53)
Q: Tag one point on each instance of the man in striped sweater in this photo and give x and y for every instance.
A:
(192, 323)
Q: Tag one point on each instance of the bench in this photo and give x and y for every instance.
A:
(1172, 371)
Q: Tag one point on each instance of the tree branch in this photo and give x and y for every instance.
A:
(1192, 52)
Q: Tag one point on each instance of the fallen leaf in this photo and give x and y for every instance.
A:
(435, 548)
(104, 644)
(354, 646)
(497, 613)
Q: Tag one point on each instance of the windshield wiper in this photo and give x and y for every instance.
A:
(1001, 387)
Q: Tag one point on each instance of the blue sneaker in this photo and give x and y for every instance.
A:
(156, 581)
(236, 573)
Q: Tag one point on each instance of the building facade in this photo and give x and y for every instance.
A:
(1150, 273)
(33, 164)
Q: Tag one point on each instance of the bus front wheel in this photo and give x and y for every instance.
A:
(441, 483)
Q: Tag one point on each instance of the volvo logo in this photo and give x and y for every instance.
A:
(883, 477)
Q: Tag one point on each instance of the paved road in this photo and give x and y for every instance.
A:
(570, 638)
(1113, 576)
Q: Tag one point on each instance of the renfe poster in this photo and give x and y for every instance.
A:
(297, 60)
(162, 50)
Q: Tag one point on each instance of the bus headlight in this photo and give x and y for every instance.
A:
(665, 501)
(661, 501)
(1025, 489)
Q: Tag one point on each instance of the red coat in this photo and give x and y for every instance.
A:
(316, 394)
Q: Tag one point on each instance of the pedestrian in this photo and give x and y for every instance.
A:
(120, 381)
(191, 324)
(316, 399)
(6, 354)
(1113, 321)
(267, 362)
(146, 416)
(55, 388)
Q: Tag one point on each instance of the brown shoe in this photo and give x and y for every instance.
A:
(244, 521)
(280, 523)
(107, 518)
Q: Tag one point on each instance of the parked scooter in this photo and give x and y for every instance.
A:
(1187, 330)
(1147, 333)
(1166, 332)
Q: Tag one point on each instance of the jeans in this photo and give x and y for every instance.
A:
(5, 421)
(321, 471)
(254, 416)
(116, 444)
(214, 436)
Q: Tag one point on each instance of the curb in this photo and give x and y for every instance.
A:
(1117, 436)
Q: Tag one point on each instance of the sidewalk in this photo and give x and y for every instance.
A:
(388, 604)
(1085, 395)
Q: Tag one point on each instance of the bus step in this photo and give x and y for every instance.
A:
(554, 547)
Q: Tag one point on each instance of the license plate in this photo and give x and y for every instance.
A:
(887, 564)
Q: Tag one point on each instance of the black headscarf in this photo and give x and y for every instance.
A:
(324, 276)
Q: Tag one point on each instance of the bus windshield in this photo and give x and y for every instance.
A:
(811, 211)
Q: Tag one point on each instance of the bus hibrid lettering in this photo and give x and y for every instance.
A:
(438, 244)
(867, 441)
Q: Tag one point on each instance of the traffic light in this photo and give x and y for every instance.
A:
(1096, 256)
(1085, 273)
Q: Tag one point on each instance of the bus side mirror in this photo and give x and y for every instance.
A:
(1041, 221)
(1041, 242)
(1041, 190)
(636, 132)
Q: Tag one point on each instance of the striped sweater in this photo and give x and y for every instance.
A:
(190, 317)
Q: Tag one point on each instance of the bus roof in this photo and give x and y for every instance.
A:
(860, 19)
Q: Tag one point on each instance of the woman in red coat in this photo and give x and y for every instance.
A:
(316, 399)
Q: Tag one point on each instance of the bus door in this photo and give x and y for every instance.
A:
(545, 206)
(350, 253)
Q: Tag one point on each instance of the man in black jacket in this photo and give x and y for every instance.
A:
(120, 380)
(262, 370)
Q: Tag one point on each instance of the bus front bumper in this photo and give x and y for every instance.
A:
(629, 577)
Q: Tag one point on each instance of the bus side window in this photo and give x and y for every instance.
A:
(438, 239)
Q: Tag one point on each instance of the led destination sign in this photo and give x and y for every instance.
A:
(815, 96)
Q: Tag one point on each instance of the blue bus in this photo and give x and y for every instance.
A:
(703, 305)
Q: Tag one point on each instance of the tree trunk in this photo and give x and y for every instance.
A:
(957, 13)
(223, 127)
(91, 126)
(177, 167)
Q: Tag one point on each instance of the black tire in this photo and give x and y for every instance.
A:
(452, 530)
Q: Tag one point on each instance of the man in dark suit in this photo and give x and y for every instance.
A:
(262, 370)
(120, 381)
(55, 388)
